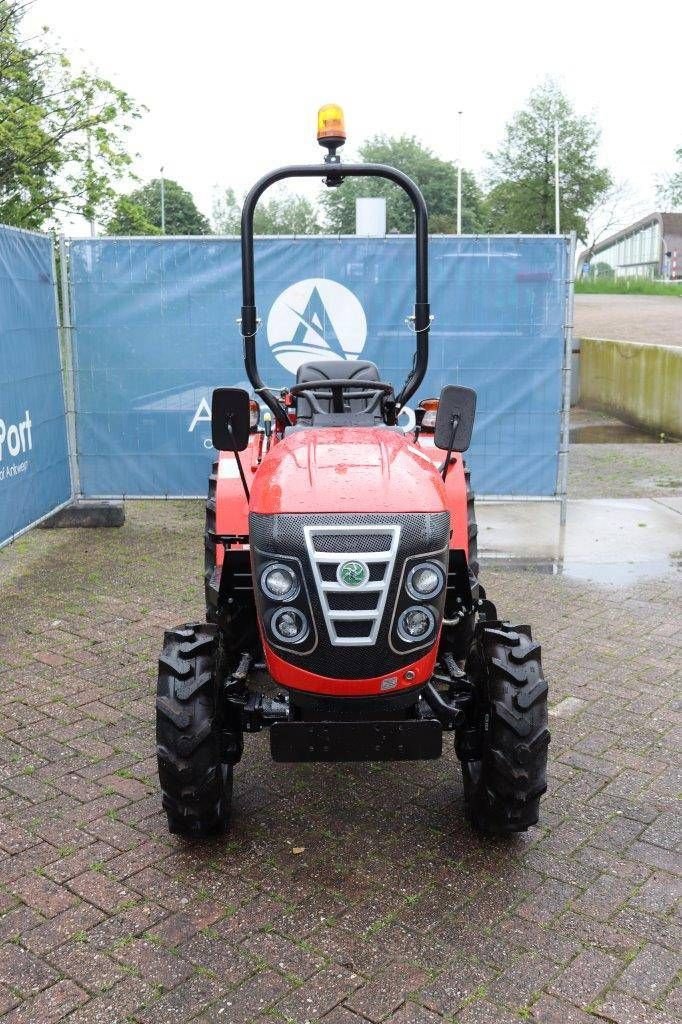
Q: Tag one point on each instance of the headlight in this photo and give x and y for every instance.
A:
(279, 582)
(289, 625)
(415, 624)
(425, 580)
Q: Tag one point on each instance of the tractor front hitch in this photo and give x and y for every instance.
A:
(452, 712)
(260, 712)
(250, 710)
(254, 711)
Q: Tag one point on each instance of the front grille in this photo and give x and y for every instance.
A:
(365, 601)
(352, 632)
(345, 543)
(330, 546)
(282, 537)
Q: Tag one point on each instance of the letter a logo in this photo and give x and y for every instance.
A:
(316, 319)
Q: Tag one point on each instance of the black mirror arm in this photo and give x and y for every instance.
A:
(443, 470)
(238, 458)
(419, 415)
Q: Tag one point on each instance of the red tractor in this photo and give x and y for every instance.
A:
(341, 561)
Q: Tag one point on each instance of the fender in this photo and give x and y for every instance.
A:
(455, 491)
(232, 509)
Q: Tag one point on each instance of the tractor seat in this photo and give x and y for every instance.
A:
(335, 369)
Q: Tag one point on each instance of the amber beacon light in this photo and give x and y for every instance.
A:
(331, 128)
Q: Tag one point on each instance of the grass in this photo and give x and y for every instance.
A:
(627, 286)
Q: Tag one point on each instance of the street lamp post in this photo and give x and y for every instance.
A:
(557, 205)
(93, 229)
(459, 173)
(163, 205)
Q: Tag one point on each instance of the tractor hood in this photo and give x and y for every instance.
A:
(343, 470)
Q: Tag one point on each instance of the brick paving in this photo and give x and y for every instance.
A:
(393, 911)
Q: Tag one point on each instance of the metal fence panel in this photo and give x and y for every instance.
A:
(34, 458)
(154, 332)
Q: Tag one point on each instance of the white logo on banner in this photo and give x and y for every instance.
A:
(201, 415)
(316, 319)
(15, 439)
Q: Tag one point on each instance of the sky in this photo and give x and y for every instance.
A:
(233, 87)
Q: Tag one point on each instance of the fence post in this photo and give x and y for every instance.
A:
(69, 381)
(562, 467)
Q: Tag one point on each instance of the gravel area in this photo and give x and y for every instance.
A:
(621, 471)
(653, 319)
(646, 468)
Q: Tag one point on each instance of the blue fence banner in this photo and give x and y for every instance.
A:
(154, 332)
(34, 458)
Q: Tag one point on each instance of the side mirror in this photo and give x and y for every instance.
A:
(230, 419)
(455, 418)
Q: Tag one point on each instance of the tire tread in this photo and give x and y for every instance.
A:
(196, 787)
(503, 786)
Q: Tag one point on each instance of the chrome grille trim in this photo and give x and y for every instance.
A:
(380, 587)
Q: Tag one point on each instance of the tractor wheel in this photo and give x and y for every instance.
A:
(209, 543)
(196, 785)
(504, 755)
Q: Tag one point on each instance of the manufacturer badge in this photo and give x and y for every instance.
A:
(352, 573)
(390, 683)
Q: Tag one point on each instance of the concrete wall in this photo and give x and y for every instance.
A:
(640, 383)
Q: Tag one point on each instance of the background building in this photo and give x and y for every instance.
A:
(652, 247)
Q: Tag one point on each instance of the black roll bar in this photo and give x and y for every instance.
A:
(334, 173)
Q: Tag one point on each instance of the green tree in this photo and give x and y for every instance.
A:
(62, 134)
(226, 213)
(284, 214)
(521, 198)
(670, 191)
(602, 270)
(436, 178)
(140, 212)
(131, 219)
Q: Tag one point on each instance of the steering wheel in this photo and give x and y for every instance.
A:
(339, 389)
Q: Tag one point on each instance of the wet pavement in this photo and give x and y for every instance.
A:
(344, 893)
(593, 427)
(611, 541)
(616, 433)
(603, 539)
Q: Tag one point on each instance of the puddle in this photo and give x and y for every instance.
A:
(610, 542)
(616, 433)
(545, 566)
(617, 574)
(604, 574)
